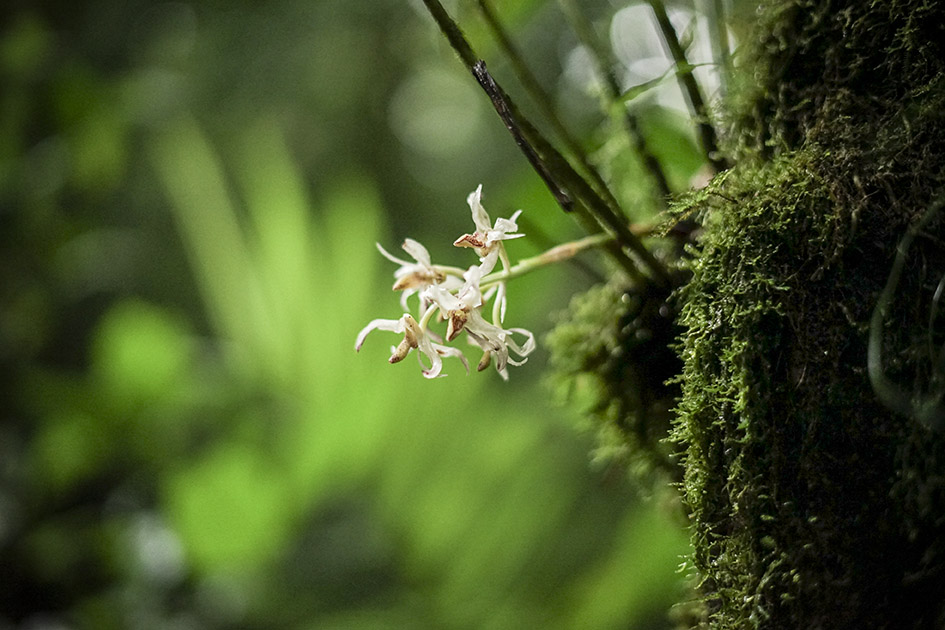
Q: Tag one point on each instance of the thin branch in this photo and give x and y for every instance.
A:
(520, 128)
(570, 179)
(585, 32)
(544, 101)
(528, 79)
(689, 86)
(502, 105)
(501, 102)
(451, 30)
(553, 165)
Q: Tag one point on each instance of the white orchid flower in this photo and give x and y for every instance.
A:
(413, 277)
(463, 312)
(487, 239)
(415, 336)
(497, 341)
(457, 296)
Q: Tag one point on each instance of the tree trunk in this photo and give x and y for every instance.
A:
(817, 497)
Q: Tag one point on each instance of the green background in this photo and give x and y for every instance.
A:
(190, 194)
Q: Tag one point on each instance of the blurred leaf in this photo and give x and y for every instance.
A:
(194, 179)
(231, 509)
(68, 450)
(140, 354)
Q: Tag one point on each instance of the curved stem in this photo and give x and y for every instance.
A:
(927, 409)
(564, 182)
(553, 255)
(543, 100)
(427, 315)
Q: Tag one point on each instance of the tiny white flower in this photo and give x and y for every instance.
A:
(414, 337)
(456, 308)
(413, 277)
(459, 301)
(487, 238)
(463, 312)
(497, 341)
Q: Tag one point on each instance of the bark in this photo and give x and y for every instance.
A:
(816, 497)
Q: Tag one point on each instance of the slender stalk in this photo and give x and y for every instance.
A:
(548, 162)
(689, 86)
(504, 107)
(926, 408)
(570, 179)
(585, 32)
(529, 81)
(553, 255)
(544, 101)
(722, 46)
(427, 315)
(451, 30)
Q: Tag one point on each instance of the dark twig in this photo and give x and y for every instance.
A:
(563, 181)
(539, 95)
(689, 86)
(455, 36)
(571, 180)
(501, 103)
(543, 100)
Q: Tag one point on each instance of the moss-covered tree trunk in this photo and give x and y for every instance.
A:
(818, 500)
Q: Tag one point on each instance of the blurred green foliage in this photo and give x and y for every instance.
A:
(189, 197)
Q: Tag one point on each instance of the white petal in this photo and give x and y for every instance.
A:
(448, 351)
(392, 325)
(435, 352)
(497, 235)
(442, 298)
(501, 301)
(390, 256)
(487, 263)
(436, 363)
(479, 214)
(508, 225)
(529, 345)
(417, 251)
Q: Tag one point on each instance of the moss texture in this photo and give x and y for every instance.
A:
(812, 504)
(612, 355)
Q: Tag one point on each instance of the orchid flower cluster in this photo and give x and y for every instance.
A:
(458, 297)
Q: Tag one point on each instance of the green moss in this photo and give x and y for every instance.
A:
(611, 358)
(812, 504)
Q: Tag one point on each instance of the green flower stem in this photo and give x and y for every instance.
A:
(589, 203)
(427, 315)
(449, 270)
(557, 253)
(553, 255)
